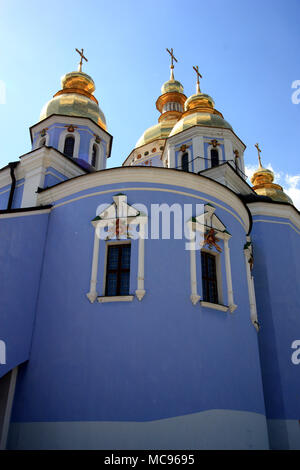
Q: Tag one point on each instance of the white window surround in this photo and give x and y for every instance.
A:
(39, 139)
(62, 138)
(179, 162)
(251, 289)
(218, 273)
(119, 298)
(209, 219)
(100, 154)
(221, 308)
(132, 218)
(211, 147)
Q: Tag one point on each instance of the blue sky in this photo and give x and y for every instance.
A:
(247, 51)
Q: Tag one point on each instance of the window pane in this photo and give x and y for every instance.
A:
(69, 146)
(111, 284)
(125, 257)
(214, 154)
(113, 257)
(124, 283)
(185, 162)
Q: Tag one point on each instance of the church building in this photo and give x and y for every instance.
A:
(153, 305)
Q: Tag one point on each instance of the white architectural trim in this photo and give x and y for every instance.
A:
(282, 211)
(13, 215)
(161, 176)
(40, 138)
(179, 160)
(140, 292)
(116, 210)
(33, 180)
(208, 156)
(209, 219)
(100, 154)
(171, 157)
(221, 308)
(195, 297)
(75, 121)
(276, 222)
(228, 150)
(92, 294)
(120, 298)
(61, 143)
(232, 306)
(251, 289)
(198, 151)
(205, 131)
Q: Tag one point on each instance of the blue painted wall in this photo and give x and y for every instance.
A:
(277, 285)
(139, 361)
(21, 256)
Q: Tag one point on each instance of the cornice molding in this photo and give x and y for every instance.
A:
(284, 211)
(139, 174)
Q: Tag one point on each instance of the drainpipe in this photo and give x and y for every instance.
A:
(12, 167)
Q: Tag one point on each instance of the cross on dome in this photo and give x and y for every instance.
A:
(172, 63)
(81, 58)
(196, 68)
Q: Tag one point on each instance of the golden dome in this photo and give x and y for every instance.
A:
(158, 131)
(171, 85)
(263, 185)
(75, 99)
(200, 111)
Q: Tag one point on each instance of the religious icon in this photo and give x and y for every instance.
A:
(211, 240)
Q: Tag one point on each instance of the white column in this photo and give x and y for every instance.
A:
(252, 300)
(33, 179)
(140, 292)
(232, 305)
(195, 297)
(171, 157)
(92, 295)
(198, 151)
(228, 150)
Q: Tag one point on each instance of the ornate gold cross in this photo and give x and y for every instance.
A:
(259, 152)
(81, 58)
(172, 63)
(196, 68)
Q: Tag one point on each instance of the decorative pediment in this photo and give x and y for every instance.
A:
(210, 224)
(117, 218)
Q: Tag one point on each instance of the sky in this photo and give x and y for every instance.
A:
(247, 52)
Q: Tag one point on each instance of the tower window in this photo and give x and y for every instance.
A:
(95, 156)
(214, 156)
(118, 270)
(185, 162)
(69, 146)
(209, 278)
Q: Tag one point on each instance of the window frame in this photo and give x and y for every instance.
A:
(218, 276)
(119, 269)
(73, 150)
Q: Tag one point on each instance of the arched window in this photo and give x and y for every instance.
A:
(69, 146)
(94, 160)
(185, 162)
(214, 156)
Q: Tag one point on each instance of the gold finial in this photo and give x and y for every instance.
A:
(172, 63)
(81, 57)
(196, 68)
(259, 152)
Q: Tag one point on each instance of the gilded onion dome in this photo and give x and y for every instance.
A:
(75, 99)
(263, 185)
(199, 110)
(170, 104)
